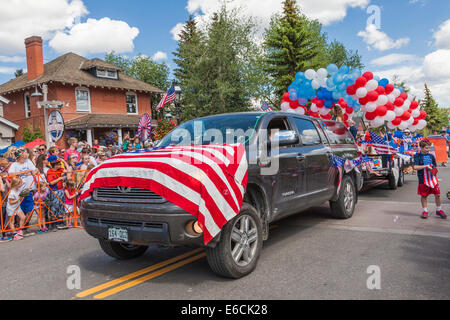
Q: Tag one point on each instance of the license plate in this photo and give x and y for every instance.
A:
(118, 234)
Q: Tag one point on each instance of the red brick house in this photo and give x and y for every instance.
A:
(99, 99)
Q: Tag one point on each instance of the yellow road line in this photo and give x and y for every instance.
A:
(148, 277)
(136, 274)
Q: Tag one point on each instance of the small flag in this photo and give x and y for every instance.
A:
(380, 145)
(168, 98)
(265, 107)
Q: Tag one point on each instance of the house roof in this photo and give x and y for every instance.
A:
(103, 121)
(11, 124)
(70, 69)
(4, 100)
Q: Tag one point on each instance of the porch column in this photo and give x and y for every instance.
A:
(89, 136)
(120, 138)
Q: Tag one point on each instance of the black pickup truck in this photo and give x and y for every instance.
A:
(127, 221)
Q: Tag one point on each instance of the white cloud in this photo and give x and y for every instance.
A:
(442, 36)
(379, 40)
(326, 11)
(14, 59)
(176, 31)
(393, 59)
(7, 70)
(159, 56)
(437, 65)
(20, 19)
(96, 36)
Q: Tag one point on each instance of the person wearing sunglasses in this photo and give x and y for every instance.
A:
(42, 149)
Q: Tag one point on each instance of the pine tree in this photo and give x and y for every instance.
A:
(339, 55)
(293, 43)
(436, 118)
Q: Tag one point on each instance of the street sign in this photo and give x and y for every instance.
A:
(55, 125)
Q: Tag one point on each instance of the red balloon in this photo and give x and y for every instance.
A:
(397, 121)
(414, 105)
(423, 115)
(340, 131)
(327, 117)
(380, 90)
(363, 101)
(286, 97)
(349, 110)
(345, 117)
(390, 106)
(319, 104)
(294, 104)
(368, 76)
(347, 124)
(372, 96)
(381, 111)
(416, 122)
(389, 88)
(371, 115)
(351, 90)
(406, 116)
(360, 82)
(404, 96)
(399, 102)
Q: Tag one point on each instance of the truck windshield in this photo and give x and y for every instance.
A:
(223, 129)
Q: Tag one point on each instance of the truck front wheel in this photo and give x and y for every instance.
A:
(237, 253)
(122, 251)
(344, 206)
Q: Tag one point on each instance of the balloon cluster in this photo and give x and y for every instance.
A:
(383, 102)
(352, 91)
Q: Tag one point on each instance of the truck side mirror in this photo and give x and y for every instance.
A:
(284, 138)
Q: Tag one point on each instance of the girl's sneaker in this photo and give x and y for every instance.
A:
(425, 215)
(441, 214)
(18, 237)
(5, 239)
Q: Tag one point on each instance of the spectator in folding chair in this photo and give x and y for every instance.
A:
(56, 177)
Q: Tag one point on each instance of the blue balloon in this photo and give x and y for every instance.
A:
(332, 69)
(383, 82)
(356, 108)
(344, 70)
(299, 75)
(336, 95)
(328, 104)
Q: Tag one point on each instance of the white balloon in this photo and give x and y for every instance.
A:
(323, 82)
(377, 122)
(324, 111)
(390, 116)
(407, 104)
(415, 113)
(372, 85)
(291, 111)
(396, 93)
(404, 125)
(391, 97)
(412, 128)
(410, 120)
(382, 100)
(285, 106)
(300, 111)
(361, 92)
(322, 73)
(310, 74)
(314, 107)
(315, 84)
(421, 125)
(391, 126)
(398, 111)
(371, 107)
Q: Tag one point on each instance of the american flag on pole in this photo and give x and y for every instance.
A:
(265, 107)
(338, 163)
(208, 182)
(168, 98)
(379, 144)
(430, 180)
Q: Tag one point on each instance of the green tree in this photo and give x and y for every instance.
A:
(30, 134)
(292, 43)
(339, 55)
(436, 117)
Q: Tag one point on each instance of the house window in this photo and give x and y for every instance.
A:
(83, 100)
(132, 106)
(27, 105)
(106, 74)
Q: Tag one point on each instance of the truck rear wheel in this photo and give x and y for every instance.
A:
(122, 251)
(393, 183)
(344, 206)
(237, 253)
(401, 179)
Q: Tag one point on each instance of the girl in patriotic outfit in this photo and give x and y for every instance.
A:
(425, 164)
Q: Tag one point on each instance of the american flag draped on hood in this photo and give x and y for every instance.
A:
(208, 182)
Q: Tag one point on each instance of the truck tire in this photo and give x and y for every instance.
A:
(393, 183)
(401, 179)
(237, 253)
(344, 206)
(121, 251)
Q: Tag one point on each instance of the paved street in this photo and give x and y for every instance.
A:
(308, 256)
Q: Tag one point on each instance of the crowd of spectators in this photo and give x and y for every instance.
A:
(46, 182)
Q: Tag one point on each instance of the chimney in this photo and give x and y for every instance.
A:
(35, 59)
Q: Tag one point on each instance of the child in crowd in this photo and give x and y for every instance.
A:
(40, 197)
(5, 185)
(425, 164)
(73, 143)
(55, 177)
(70, 193)
(13, 207)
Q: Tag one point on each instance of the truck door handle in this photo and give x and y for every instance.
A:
(300, 157)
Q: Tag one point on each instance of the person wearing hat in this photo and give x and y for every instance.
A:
(56, 177)
(26, 170)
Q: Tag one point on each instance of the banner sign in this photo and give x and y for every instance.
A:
(55, 126)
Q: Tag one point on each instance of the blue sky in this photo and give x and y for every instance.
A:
(412, 41)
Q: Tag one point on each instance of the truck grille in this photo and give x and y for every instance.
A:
(130, 195)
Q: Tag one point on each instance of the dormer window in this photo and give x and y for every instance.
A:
(102, 73)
